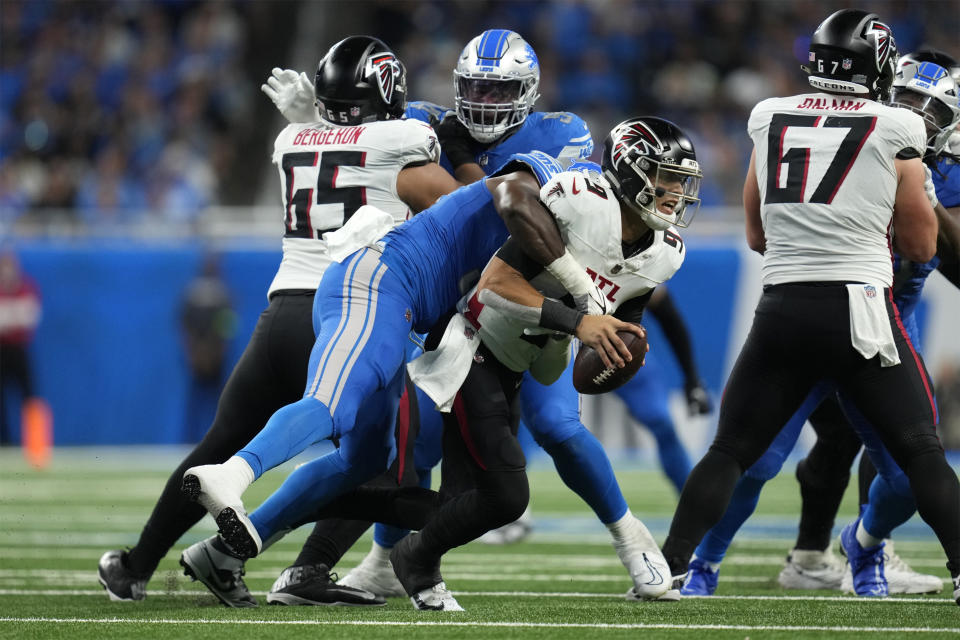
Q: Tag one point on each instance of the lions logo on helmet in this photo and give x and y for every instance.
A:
(495, 84)
(649, 158)
(928, 90)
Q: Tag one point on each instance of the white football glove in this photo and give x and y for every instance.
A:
(928, 185)
(593, 302)
(292, 94)
(953, 144)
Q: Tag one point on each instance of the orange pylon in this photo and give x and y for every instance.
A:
(36, 432)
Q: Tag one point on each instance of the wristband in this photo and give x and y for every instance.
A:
(557, 316)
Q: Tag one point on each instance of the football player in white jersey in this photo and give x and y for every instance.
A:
(359, 151)
(832, 174)
(621, 232)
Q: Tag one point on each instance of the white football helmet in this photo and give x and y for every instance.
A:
(495, 84)
(928, 90)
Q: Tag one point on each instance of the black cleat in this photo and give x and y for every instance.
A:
(414, 576)
(122, 584)
(422, 582)
(210, 562)
(313, 584)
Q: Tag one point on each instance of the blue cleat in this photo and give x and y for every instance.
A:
(701, 581)
(866, 565)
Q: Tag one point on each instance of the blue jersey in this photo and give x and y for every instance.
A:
(558, 134)
(448, 245)
(946, 180)
(909, 277)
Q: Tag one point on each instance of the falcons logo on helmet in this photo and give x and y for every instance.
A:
(883, 39)
(385, 69)
(636, 134)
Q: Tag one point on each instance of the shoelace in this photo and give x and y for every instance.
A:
(896, 563)
(314, 571)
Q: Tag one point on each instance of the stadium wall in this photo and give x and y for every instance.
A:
(109, 358)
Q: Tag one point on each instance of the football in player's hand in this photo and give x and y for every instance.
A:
(591, 376)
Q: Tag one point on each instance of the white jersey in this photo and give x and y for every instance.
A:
(825, 168)
(327, 172)
(588, 215)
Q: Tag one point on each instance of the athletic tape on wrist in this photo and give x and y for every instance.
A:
(571, 275)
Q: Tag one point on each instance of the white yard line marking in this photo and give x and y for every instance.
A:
(509, 625)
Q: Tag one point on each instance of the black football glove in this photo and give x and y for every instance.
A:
(456, 142)
(698, 399)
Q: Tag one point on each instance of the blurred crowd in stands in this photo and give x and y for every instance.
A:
(702, 64)
(119, 110)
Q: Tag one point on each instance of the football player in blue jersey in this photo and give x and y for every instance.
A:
(886, 498)
(364, 308)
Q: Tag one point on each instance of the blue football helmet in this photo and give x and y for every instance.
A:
(928, 90)
(495, 84)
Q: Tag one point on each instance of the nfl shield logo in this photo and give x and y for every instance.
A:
(871, 291)
(847, 63)
(813, 56)
(354, 111)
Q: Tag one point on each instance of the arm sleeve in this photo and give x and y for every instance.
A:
(632, 309)
(949, 262)
(514, 256)
(674, 327)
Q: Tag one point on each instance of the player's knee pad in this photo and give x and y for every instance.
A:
(915, 445)
(814, 477)
(504, 494)
(742, 453)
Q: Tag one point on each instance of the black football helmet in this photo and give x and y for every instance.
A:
(646, 158)
(360, 80)
(853, 52)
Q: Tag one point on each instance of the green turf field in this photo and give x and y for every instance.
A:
(564, 582)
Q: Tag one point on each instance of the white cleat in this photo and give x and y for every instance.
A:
(210, 486)
(436, 598)
(902, 579)
(811, 570)
(648, 569)
(672, 594)
(374, 574)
